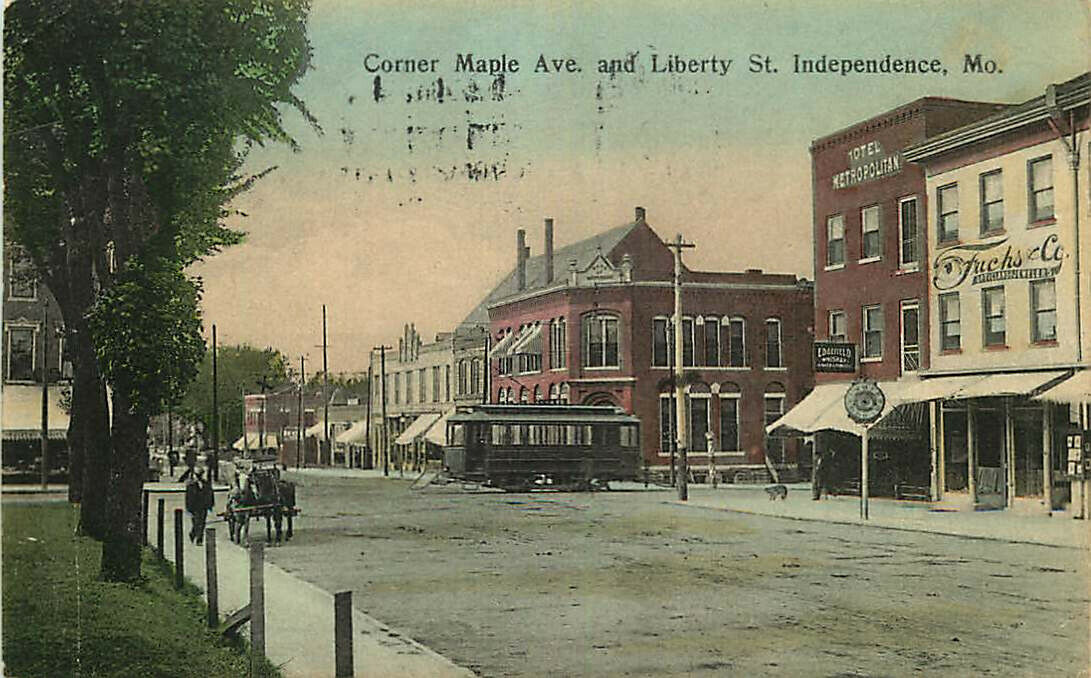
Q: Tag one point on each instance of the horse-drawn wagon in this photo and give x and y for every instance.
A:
(260, 492)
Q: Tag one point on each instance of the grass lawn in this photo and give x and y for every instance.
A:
(60, 620)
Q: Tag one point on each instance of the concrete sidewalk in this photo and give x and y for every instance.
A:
(1016, 526)
(299, 615)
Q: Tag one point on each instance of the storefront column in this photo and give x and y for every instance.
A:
(1009, 455)
(1047, 456)
(864, 474)
(935, 444)
(971, 451)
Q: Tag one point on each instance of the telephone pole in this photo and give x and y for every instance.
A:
(214, 475)
(45, 392)
(326, 387)
(385, 440)
(679, 387)
(299, 415)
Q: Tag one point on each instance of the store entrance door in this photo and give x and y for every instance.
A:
(991, 467)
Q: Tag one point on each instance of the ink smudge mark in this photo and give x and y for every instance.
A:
(347, 136)
(376, 90)
(352, 97)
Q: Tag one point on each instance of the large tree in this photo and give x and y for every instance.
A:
(125, 129)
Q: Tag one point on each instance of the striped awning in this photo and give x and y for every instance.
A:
(22, 412)
(418, 428)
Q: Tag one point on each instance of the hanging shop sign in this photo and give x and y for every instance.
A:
(868, 162)
(834, 356)
(864, 401)
(992, 261)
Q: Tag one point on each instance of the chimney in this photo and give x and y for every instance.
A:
(548, 251)
(640, 214)
(521, 259)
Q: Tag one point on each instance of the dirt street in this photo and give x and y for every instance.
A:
(623, 583)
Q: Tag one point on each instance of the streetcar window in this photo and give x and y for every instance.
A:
(628, 436)
(456, 433)
(500, 435)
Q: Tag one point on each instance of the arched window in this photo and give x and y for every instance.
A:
(554, 393)
(566, 394)
(774, 408)
(522, 395)
(475, 376)
(462, 377)
(601, 332)
(730, 397)
(502, 396)
(537, 394)
(510, 395)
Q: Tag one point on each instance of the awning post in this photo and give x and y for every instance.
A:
(864, 473)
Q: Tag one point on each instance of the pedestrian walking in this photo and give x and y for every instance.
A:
(199, 500)
(818, 474)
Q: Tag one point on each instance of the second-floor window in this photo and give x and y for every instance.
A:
(736, 342)
(21, 353)
(911, 346)
(838, 327)
(687, 342)
(1040, 184)
(992, 201)
(476, 384)
(22, 280)
(947, 213)
(871, 244)
(992, 308)
(835, 240)
(600, 341)
(873, 332)
(436, 376)
(772, 343)
(558, 344)
(712, 341)
(950, 322)
(1043, 310)
(662, 342)
(908, 234)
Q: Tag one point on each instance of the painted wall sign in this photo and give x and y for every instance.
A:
(997, 260)
(834, 356)
(868, 162)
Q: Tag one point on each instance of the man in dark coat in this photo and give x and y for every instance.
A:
(199, 500)
(818, 474)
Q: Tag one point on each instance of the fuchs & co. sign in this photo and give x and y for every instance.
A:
(868, 162)
(997, 260)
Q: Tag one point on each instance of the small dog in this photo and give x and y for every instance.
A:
(777, 492)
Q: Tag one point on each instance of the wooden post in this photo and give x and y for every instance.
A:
(864, 473)
(212, 588)
(941, 437)
(257, 604)
(342, 634)
(144, 517)
(159, 509)
(179, 552)
(1047, 456)
(1009, 454)
(971, 452)
(933, 445)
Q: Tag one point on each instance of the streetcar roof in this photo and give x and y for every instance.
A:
(543, 414)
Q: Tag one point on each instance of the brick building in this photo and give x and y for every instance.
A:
(589, 324)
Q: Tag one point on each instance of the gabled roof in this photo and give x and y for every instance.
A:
(584, 252)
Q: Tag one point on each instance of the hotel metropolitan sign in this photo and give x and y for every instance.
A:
(868, 162)
(992, 261)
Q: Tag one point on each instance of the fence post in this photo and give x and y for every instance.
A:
(179, 553)
(211, 582)
(144, 517)
(257, 604)
(342, 634)
(159, 510)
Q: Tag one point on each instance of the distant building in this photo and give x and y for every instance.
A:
(589, 323)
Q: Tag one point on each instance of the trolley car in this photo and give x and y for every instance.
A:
(519, 447)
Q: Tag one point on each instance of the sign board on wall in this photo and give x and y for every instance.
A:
(990, 261)
(834, 356)
(868, 162)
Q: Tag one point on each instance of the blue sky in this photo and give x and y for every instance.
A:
(380, 218)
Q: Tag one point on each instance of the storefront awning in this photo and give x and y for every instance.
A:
(315, 430)
(22, 413)
(1076, 389)
(938, 388)
(252, 441)
(417, 428)
(437, 432)
(1010, 384)
(355, 435)
(501, 347)
(824, 409)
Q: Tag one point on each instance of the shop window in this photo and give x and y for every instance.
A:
(992, 202)
(908, 234)
(21, 353)
(947, 212)
(950, 322)
(992, 308)
(873, 332)
(729, 422)
(838, 326)
(736, 342)
(835, 241)
(772, 343)
(1040, 183)
(1043, 310)
(871, 246)
(600, 341)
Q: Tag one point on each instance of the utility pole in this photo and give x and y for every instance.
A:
(215, 473)
(326, 387)
(672, 410)
(299, 415)
(385, 447)
(367, 419)
(45, 392)
(679, 388)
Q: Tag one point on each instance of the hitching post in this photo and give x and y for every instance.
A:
(211, 584)
(342, 634)
(159, 508)
(179, 553)
(144, 517)
(257, 604)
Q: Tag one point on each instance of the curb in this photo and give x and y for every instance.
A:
(861, 523)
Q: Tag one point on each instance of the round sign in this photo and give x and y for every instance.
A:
(864, 401)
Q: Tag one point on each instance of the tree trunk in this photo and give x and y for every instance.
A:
(121, 550)
(91, 422)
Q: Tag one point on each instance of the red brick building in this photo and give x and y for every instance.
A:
(590, 324)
